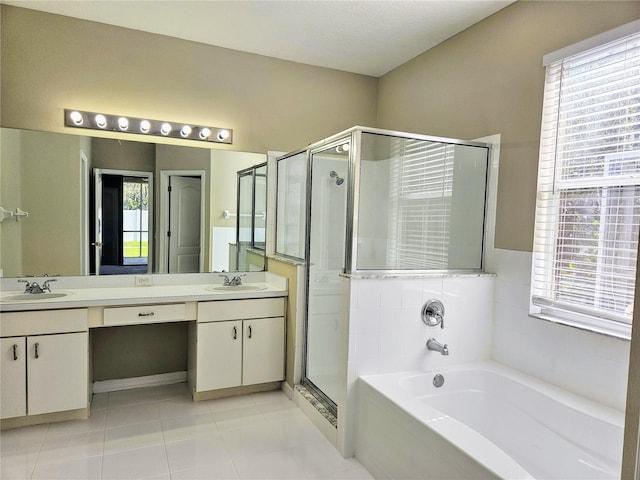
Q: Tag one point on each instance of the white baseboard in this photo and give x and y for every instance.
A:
(139, 382)
(288, 391)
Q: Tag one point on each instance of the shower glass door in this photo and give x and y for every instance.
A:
(326, 258)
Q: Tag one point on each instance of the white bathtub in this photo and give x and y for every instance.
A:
(486, 421)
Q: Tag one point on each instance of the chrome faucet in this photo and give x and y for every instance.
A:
(234, 282)
(33, 287)
(436, 346)
(45, 285)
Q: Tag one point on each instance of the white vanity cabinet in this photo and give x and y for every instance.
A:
(13, 377)
(240, 343)
(44, 362)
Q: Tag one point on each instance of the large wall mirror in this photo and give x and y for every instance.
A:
(98, 206)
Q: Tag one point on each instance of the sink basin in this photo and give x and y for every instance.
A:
(33, 296)
(237, 288)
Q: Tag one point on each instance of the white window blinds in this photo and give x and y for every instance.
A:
(588, 206)
(420, 205)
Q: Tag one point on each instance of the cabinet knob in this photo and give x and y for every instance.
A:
(37, 354)
(15, 352)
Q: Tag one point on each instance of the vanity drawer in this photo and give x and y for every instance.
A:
(222, 310)
(13, 324)
(144, 314)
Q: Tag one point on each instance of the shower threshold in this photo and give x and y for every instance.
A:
(327, 411)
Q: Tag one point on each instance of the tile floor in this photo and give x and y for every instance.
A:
(159, 433)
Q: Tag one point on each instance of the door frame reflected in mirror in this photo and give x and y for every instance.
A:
(164, 220)
(96, 240)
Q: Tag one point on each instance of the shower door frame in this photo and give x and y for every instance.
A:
(354, 135)
(353, 205)
(330, 142)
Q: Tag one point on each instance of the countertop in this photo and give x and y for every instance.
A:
(140, 295)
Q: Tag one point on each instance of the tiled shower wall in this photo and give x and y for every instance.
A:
(386, 329)
(589, 364)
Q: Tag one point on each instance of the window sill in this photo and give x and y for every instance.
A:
(589, 324)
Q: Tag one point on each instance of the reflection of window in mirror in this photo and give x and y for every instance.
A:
(135, 224)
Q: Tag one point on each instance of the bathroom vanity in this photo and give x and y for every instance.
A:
(236, 341)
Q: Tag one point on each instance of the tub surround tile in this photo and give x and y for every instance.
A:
(568, 357)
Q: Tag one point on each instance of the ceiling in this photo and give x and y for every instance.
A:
(369, 37)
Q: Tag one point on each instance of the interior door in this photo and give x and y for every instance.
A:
(184, 224)
(97, 221)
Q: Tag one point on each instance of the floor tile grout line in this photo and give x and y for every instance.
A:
(35, 464)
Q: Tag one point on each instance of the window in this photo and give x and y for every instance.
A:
(420, 199)
(421, 204)
(588, 206)
(135, 224)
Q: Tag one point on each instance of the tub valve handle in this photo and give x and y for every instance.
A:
(433, 313)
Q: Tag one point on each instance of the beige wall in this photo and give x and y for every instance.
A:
(291, 273)
(51, 62)
(489, 79)
(118, 155)
(224, 182)
(138, 350)
(48, 241)
(10, 199)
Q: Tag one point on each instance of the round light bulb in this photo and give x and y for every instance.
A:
(76, 117)
(345, 147)
(101, 121)
(223, 135)
(145, 126)
(185, 131)
(165, 129)
(204, 133)
(123, 123)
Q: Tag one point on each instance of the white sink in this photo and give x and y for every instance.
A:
(237, 288)
(32, 296)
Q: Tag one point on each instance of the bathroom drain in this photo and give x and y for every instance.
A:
(438, 381)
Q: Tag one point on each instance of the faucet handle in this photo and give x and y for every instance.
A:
(227, 282)
(45, 285)
(433, 313)
(27, 284)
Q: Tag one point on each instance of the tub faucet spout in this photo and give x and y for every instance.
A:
(436, 346)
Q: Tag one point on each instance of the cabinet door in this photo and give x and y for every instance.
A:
(13, 376)
(219, 362)
(58, 372)
(263, 350)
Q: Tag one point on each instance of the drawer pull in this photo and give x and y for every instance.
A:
(235, 333)
(146, 314)
(249, 331)
(15, 352)
(37, 354)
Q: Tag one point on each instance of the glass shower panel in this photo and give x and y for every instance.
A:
(260, 208)
(245, 215)
(291, 205)
(420, 204)
(327, 234)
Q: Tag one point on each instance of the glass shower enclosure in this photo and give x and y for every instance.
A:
(381, 202)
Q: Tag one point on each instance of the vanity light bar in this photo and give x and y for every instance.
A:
(144, 126)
